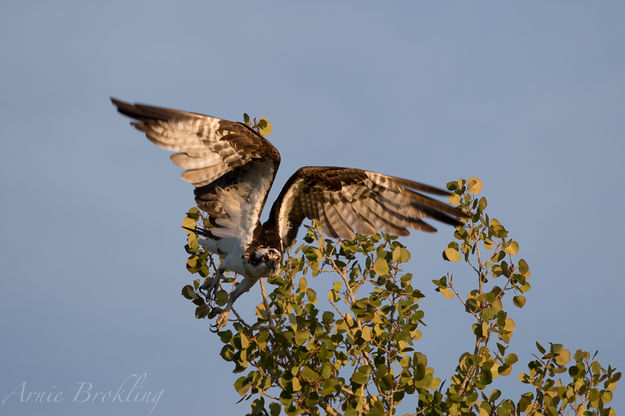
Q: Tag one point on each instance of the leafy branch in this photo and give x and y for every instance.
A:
(356, 353)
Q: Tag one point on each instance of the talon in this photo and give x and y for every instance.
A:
(222, 320)
(209, 288)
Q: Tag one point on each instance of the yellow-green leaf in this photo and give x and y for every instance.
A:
(454, 199)
(266, 131)
(244, 341)
(509, 325)
(189, 223)
(405, 255)
(451, 254)
(447, 293)
(296, 384)
(303, 285)
(366, 333)
(380, 266)
(301, 337)
(400, 255)
(512, 248)
(434, 383)
(309, 375)
(563, 358)
(261, 312)
(242, 385)
(519, 301)
(474, 185)
(194, 213)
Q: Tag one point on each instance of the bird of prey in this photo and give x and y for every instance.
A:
(233, 167)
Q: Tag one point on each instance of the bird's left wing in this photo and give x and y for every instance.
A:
(347, 201)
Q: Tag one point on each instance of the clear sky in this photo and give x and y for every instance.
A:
(528, 96)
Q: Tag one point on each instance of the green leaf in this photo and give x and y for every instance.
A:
(381, 266)
(309, 375)
(227, 352)
(524, 268)
(188, 292)
(225, 336)
(359, 378)
(242, 385)
(386, 382)
(301, 337)
(519, 301)
(511, 359)
(194, 213)
(451, 254)
(327, 317)
(482, 204)
(540, 348)
(593, 395)
(274, 409)
(221, 298)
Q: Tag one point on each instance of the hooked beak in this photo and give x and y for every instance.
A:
(275, 267)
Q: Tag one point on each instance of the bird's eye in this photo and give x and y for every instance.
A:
(265, 258)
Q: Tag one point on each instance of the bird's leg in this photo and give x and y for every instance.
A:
(242, 287)
(210, 286)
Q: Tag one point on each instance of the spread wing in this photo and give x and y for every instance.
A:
(346, 201)
(231, 165)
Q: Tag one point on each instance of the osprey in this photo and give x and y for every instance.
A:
(233, 167)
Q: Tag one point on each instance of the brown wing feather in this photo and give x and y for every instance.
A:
(231, 165)
(347, 201)
(207, 147)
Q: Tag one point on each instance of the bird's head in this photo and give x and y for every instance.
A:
(266, 260)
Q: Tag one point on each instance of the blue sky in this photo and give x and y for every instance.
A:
(528, 96)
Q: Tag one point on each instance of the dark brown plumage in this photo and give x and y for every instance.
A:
(348, 201)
